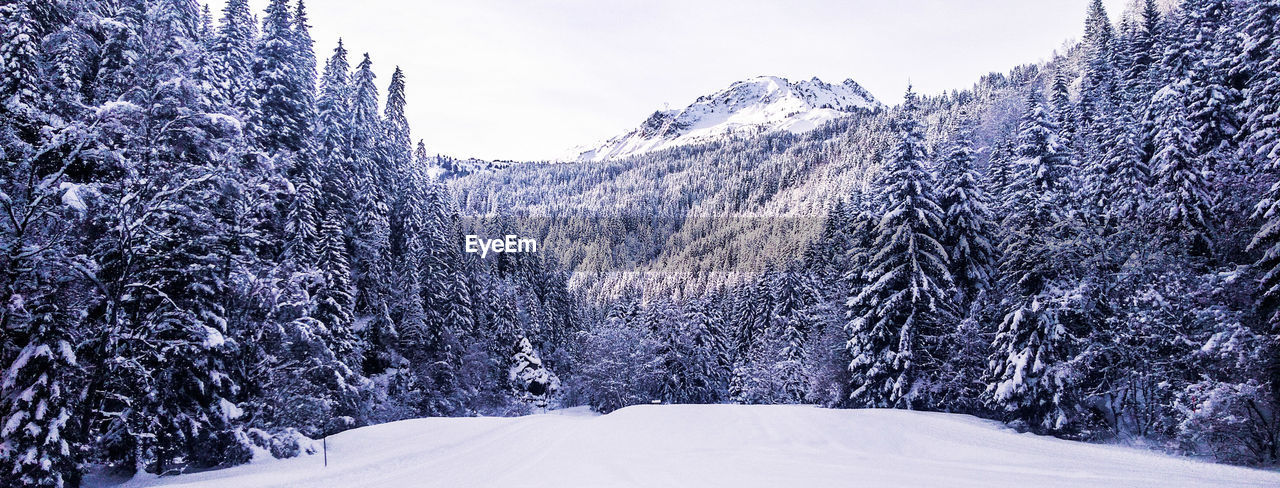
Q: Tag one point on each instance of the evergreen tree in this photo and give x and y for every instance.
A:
(371, 226)
(306, 57)
(791, 295)
(906, 279)
(1063, 110)
(1261, 111)
(752, 313)
(36, 404)
(683, 361)
(39, 368)
(233, 52)
(1210, 100)
(372, 243)
(1000, 177)
(283, 109)
(397, 125)
(1259, 65)
(333, 133)
(1120, 190)
(1144, 54)
(333, 105)
(366, 125)
(69, 50)
(19, 50)
(303, 223)
(1099, 81)
(160, 263)
(334, 303)
(1181, 198)
(967, 227)
(796, 296)
(114, 72)
(1026, 376)
(531, 380)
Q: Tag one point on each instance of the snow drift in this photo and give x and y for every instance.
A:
(717, 445)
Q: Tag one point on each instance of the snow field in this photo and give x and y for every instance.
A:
(717, 446)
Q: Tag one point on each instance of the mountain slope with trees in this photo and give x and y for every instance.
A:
(1088, 252)
(215, 239)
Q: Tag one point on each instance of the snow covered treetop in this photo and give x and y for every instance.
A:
(754, 106)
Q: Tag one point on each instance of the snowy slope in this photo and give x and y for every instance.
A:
(758, 105)
(718, 445)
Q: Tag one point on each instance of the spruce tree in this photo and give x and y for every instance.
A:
(1000, 176)
(1261, 107)
(1121, 189)
(37, 403)
(70, 50)
(1099, 83)
(1181, 200)
(39, 368)
(333, 137)
(967, 226)
(302, 226)
(1026, 373)
(1210, 100)
(334, 303)
(682, 360)
(1267, 240)
(333, 105)
(366, 125)
(1259, 62)
(306, 56)
(752, 312)
(233, 52)
(115, 61)
(370, 221)
(907, 277)
(396, 124)
(796, 295)
(1063, 110)
(1144, 54)
(19, 50)
(283, 111)
(371, 251)
(166, 283)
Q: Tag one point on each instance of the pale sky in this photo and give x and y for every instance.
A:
(528, 79)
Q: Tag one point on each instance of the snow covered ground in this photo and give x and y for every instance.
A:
(717, 445)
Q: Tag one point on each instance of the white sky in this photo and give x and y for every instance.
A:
(528, 79)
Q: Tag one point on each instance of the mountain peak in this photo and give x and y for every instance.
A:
(755, 105)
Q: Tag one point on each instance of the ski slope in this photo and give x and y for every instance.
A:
(717, 446)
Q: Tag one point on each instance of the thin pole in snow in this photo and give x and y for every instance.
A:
(324, 441)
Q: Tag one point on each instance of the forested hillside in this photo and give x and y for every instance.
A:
(214, 242)
(1084, 247)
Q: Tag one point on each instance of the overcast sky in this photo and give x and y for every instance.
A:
(528, 79)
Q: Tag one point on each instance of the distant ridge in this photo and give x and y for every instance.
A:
(754, 106)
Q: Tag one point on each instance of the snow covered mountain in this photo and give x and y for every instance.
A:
(755, 106)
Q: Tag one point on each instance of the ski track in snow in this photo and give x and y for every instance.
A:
(717, 446)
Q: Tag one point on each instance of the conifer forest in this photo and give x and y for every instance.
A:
(218, 238)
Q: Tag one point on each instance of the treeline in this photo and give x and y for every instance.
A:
(207, 246)
(1086, 248)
